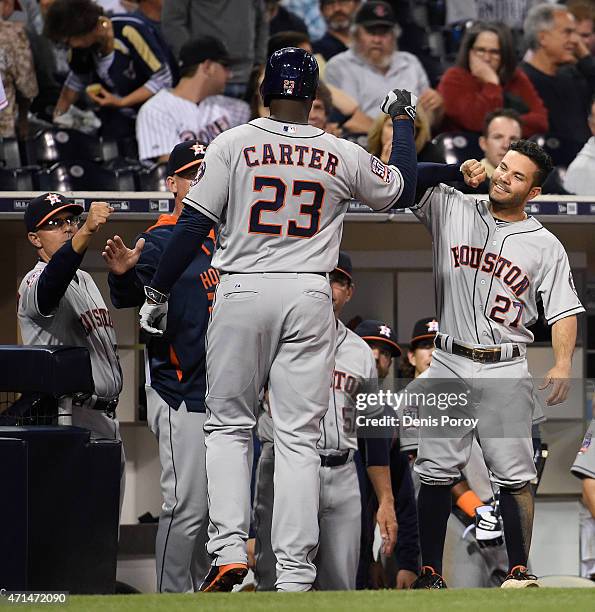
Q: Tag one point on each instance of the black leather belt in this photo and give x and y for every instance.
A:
(335, 460)
(482, 355)
(101, 404)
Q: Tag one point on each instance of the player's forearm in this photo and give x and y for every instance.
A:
(56, 277)
(564, 340)
(404, 157)
(380, 477)
(191, 231)
(126, 290)
(431, 174)
(67, 98)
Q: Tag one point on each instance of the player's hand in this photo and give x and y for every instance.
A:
(474, 172)
(97, 216)
(481, 69)
(488, 527)
(119, 257)
(399, 102)
(387, 523)
(251, 552)
(558, 378)
(405, 578)
(102, 97)
(153, 313)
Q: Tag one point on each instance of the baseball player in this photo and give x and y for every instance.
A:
(175, 379)
(492, 263)
(584, 468)
(60, 304)
(399, 570)
(278, 188)
(340, 503)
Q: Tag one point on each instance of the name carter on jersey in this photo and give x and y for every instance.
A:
(291, 155)
(474, 257)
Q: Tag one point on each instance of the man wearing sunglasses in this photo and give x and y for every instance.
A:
(58, 304)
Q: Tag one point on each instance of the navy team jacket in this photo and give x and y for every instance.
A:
(176, 360)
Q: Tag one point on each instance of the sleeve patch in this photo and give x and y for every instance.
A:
(380, 169)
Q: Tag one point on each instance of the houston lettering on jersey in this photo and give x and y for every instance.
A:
(345, 382)
(210, 280)
(291, 155)
(491, 263)
(94, 319)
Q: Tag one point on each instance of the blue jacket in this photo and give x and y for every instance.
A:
(177, 360)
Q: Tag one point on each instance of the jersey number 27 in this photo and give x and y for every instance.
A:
(278, 201)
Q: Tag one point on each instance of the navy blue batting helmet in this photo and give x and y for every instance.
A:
(290, 73)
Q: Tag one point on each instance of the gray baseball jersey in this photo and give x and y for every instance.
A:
(167, 119)
(287, 183)
(80, 319)
(584, 464)
(489, 274)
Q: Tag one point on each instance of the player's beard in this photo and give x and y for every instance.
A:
(505, 201)
(339, 22)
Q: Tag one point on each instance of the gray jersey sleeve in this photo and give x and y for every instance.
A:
(27, 305)
(209, 191)
(437, 205)
(375, 184)
(557, 289)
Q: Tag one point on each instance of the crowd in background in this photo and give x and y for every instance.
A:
(150, 73)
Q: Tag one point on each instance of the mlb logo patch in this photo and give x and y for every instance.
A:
(288, 87)
(380, 170)
(586, 443)
(290, 129)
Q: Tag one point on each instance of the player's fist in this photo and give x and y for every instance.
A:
(474, 172)
(153, 313)
(488, 527)
(399, 102)
(98, 214)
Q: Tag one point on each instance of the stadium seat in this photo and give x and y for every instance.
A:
(458, 146)
(561, 151)
(62, 145)
(10, 156)
(84, 176)
(153, 178)
(17, 179)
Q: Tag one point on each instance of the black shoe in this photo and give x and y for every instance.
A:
(222, 578)
(519, 578)
(429, 579)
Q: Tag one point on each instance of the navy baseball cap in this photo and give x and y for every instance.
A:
(375, 13)
(44, 207)
(344, 265)
(377, 331)
(204, 48)
(185, 155)
(424, 330)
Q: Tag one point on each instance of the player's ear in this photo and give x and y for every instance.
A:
(534, 192)
(482, 143)
(171, 184)
(411, 358)
(34, 240)
(350, 291)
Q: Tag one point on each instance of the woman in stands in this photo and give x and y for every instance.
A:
(485, 78)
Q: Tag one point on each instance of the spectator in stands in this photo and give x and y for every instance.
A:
(584, 13)
(240, 24)
(150, 11)
(118, 61)
(322, 109)
(338, 15)
(485, 78)
(282, 20)
(563, 72)
(380, 139)
(18, 76)
(309, 11)
(374, 65)
(346, 112)
(193, 110)
(580, 175)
